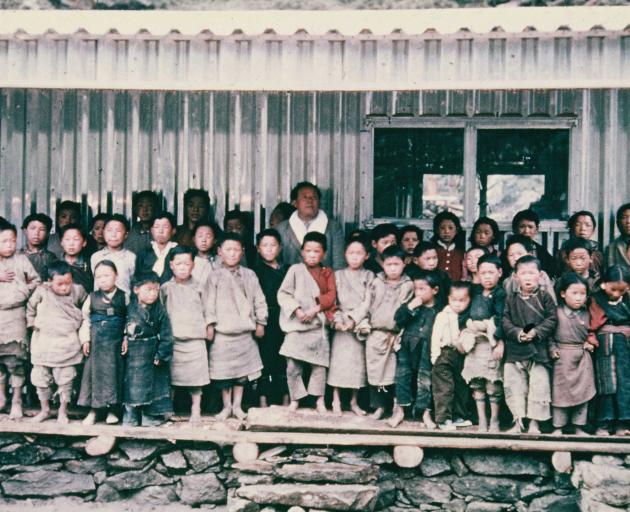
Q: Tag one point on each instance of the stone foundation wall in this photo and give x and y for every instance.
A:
(359, 479)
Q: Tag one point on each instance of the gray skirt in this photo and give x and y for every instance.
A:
(232, 356)
(479, 363)
(189, 366)
(347, 362)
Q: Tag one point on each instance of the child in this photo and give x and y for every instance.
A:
(387, 292)
(450, 393)
(446, 234)
(155, 258)
(236, 310)
(36, 228)
(281, 212)
(239, 222)
(616, 252)
(147, 379)
(272, 386)
(196, 209)
(578, 259)
(581, 225)
(485, 234)
(347, 356)
(383, 236)
(483, 371)
(54, 313)
(68, 212)
(516, 247)
(116, 229)
(205, 235)
(470, 263)
(609, 332)
(413, 359)
(425, 257)
(408, 238)
(104, 343)
(529, 321)
(307, 301)
(186, 303)
(526, 223)
(97, 233)
(73, 243)
(145, 206)
(18, 279)
(573, 376)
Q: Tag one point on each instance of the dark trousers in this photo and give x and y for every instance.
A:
(413, 366)
(450, 392)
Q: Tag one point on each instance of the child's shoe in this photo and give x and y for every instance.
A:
(447, 426)
(131, 417)
(461, 423)
(111, 419)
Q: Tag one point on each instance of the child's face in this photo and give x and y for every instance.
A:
(182, 266)
(528, 276)
(269, 249)
(115, 234)
(489, 275)
(472, 256)
(196, 209)
(615, 289)
(428, 260)
(527, 228)
(162, 231)
(204, 239)
(36, 234)
(275, 218)
(98, 232)
(625, 222)
(579, 260)
(8, 243)
(483, 235)
(584, 227)
(145, 209)
(235, 226)
(393, 268)
(105, 278)
(447, 231)
(312, 253)
(514, 253)
(574, 296)
(383, 243)
(231, 253)
(424, 291)
(61, 284)
(409, 241)
(67, 216)
(459, 300)
(356, 255)
(72, 242)
(147, 293)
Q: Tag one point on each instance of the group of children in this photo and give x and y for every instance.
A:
(427, 327)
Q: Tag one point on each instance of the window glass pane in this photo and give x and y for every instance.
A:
(417, 172)
(518, 169)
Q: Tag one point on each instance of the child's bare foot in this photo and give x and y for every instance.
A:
(195, 419)
(398, 415)
(602, 432)
(534, 428)
(3, 399)
(263, 401)
(557, 432)
(622, 431)
(428, 421)
(483, 425)
(336, 408)
(16, 411)
(43, 415)
(354, 407)
(378, 413)
(239, 413)
(320, 406)
(293, 406)
(518, 427)
(579, 431)
(111, 419)
(62, 418)
(494, 426)
(223, 415)
(90, 419)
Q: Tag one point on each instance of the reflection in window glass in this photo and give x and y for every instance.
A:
(510, 193)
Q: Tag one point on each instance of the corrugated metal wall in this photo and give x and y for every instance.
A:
(248, 149)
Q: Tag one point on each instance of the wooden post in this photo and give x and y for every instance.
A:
(408, 456)
(100, 445)
(561, 462)
(245, 452)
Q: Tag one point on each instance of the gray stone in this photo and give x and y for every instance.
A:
(531, 490)
(607, 460)
(100, 477)
(155, 495)
(253, 479)
(434, 464)
(47, 484)
(93, 465)
(386, 494)
(310, 458)
(132, 480)
(107, 494)
(423, 490)
(353, 460)
(7, 439)
(174, 461)
(458, 466)
(505, 464)
(201, 459)
(272, 452)
(25, 454)
(65, 454)
(608, 484)
(260, 467)
(488, 488)
(120, 461)
(455, 506)
(554, 503)
(382, 457)
(241, 505)
(55, 442)
(626, 460)
(138, 450)
(426, 506)
(480, 506)
(589, 504)
(333, 472)
(55, 466)
(200, 488)
(327, 497)
(329, 452)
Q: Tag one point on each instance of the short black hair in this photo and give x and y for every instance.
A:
(144, 278)
(67, 205)
(527, 260)
(566, 280)
(236, 215)
(417, 274)
(165, 215)
(106, 263)
(615, 273)
(529, 215)
(575, 243)
(305, 184)
(484, 250)
(5, 225)
(99, 216)
(146, 194)
(619, 215)
(76, 227)
(410, 228)
(493, 259)
(526, 242)
(234, 237)
(446, 215)
(393, 251)
(216, 231)
(488, 222)
(461, 285)
(38, 217)
(181, 249)
(197, 192)
(383, 230)
(58, 268)
(423, 247)
(268, 232)
(314, 236)
(284, 209)
(118, 217)
(582, 213)
(359, 237)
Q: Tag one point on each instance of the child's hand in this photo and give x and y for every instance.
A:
(339, 326)
(349, 326)
(311, 313)
(6, 276)
(210, 332)
(260, 331)
(415, 303)
(299, 314)
(86, 349)
(555, 354)
(460, 348)
(498, 351)
(156, 362)
(125, 346)
(588, 347)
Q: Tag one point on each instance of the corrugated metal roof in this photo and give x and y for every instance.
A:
(509, 48)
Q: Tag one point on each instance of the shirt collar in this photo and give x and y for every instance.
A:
(448, 247)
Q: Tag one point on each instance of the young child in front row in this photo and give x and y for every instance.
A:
(236, 312)
(103, 337)
(573, 376)
(307, 299)
(389, 290)
(609, 332)
(413, 359)
(147, 378)
(18, 279)
(450, 393)
(529, 322)
(186, 302)
(347, 356)
(425, 257)
(54, 313)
